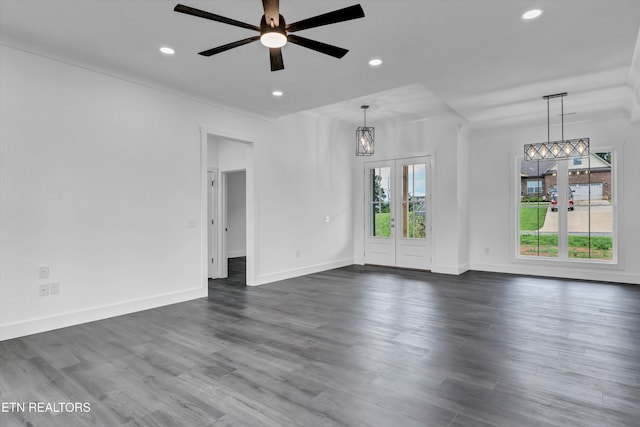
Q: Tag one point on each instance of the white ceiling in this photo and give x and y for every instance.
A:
(475, 57)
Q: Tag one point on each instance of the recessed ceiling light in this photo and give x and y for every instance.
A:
(531, 14)
(167, 50)
(375, 62)
(277, 93)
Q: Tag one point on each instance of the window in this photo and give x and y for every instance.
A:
(534, 187)
(413, 201)
(380, 201)
(575, 219)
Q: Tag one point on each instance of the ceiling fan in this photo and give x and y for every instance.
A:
(275, 33)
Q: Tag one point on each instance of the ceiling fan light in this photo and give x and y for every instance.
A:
(273, 39)
(531, 14)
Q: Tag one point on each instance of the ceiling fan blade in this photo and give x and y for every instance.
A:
(202, 14)
(275, 55)
(327, 49)
(220, 49)
(346, 14)
(272, 11)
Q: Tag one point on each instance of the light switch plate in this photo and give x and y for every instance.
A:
(43, 271)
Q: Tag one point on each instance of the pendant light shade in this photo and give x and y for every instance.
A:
(365, 137)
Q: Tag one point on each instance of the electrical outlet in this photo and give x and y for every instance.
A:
(297, 254)
(55, 288)
(192, 223)
(43, 290)
(43, 271)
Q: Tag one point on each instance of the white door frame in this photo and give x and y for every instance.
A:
(213, 260)
(252, 216)
(395, 239)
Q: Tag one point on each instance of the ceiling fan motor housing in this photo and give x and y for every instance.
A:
(265, 27)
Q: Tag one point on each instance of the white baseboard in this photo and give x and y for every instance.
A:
(565, 273)
(236, 254)
(450, 269)
(263, 279)
(63, 320)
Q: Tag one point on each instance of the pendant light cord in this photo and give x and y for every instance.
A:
(548, 123)
(562, 115)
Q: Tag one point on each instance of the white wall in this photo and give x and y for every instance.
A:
(226, 154)
(99, 180)
(303, 172)
(492, 197)
(439, 139)
(236, 214)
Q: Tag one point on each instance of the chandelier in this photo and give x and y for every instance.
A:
(365, 137)
(563, 149)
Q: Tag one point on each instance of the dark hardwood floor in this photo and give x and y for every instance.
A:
(237, 273)
(356, 346)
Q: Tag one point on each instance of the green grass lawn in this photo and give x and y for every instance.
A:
(530, 214)
(601, 246)
(416, 228)
(382, 225)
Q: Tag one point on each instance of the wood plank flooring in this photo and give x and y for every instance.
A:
(356, 346)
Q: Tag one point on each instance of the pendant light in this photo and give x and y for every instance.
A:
(365, 137)
(563, 149)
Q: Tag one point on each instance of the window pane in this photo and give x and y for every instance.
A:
(380, 202)
(413, 201)
(538, 218)
(590, 216)
(534, 186)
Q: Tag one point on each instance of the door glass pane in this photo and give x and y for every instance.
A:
(380, 209)
(590, 212)
(413, 213)
(538, 209)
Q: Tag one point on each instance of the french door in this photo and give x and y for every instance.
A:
(398, 213)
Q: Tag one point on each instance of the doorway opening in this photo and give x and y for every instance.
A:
(229, 210)
(234, 242)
